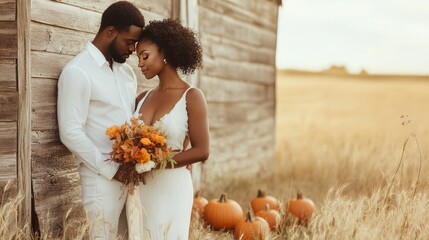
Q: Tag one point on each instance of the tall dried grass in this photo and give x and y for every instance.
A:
(71, 227)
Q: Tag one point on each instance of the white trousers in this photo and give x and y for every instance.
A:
(103, 201)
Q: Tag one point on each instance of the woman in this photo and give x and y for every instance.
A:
(179, 110)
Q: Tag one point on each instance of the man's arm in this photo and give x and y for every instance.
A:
(74, 92)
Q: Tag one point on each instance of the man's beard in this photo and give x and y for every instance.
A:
(116, 56)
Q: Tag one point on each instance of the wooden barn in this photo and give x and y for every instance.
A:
(38, 37)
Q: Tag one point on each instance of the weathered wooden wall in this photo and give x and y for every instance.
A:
(60, 30)
(238, 79)
(8, 95)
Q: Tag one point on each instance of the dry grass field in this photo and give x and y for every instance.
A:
(341, 142)
(333, 131)
(358, 148)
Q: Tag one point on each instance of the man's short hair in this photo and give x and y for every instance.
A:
(121, 15)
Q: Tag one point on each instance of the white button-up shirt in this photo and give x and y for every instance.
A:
(91, 98)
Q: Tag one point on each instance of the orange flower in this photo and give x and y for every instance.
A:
(127, 157)
(146, 129)
(146, 141)
(142, 156)
(133, 142)
(112, 131)
(156, 138)
(127, 145)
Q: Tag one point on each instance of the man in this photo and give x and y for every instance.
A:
(96, 90)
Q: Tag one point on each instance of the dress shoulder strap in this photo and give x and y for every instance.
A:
(184, 94)
(142, 101)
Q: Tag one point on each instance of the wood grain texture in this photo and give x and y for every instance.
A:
(160, 7)
(241, 150)
(7, 10)
(221, 90)
(66, 16)
(8, 76)
(264, 9)
(44, 104)
(9, 106)
(53, 39)
(238, 80)
(48, 65)
(56, 182)
(230, 28)
(24, 113)
(8, 40)
(8, 148)
(225, 48)
(44, 118)
(44, 92)
(254, 16)
(224, 114)
(73, 16)
(239, 71)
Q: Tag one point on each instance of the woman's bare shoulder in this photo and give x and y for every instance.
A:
(195, 99)
(196, 95)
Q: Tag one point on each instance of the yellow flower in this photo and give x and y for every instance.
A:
(112, 131)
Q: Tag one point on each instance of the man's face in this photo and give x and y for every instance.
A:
(124, 44)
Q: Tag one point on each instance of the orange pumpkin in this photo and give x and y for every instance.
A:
(223, 213)
(271, 216)
(251, 228)
(199, 204)
(301, 208)
(258, 202)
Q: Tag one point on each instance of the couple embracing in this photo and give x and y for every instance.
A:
(97, 89)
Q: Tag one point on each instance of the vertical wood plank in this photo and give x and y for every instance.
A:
(24, 112)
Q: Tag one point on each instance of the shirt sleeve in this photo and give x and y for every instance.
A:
(74, 92)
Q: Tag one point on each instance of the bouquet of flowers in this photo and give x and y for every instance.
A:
(140, 148)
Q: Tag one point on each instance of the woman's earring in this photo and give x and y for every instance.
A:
(165, 61)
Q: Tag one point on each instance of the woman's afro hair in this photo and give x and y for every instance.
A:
(180, 45)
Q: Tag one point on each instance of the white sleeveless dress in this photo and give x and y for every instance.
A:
(167, 196)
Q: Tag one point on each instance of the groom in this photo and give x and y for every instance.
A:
(96, 90)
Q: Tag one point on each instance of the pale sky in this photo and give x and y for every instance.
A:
(381, 36)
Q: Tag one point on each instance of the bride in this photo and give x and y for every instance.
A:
(180, 111)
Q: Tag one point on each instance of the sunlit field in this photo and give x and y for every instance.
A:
(358, 148)
(333, 131)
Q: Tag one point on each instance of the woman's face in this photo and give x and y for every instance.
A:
(151, 58)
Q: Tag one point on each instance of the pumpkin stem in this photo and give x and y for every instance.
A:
(197, 194)
(261, 194)
(267, 206)
(248, 216)
(222, 198)
(299, 195)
